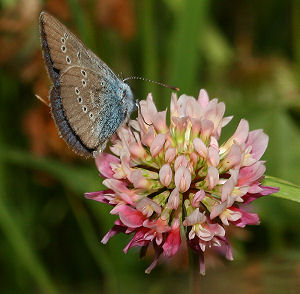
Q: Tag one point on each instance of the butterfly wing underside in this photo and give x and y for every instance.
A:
(84, 99)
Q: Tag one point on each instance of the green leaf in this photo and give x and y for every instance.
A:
(287, 190)
(78, 179)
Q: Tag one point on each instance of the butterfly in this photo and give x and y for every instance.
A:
(88, 101)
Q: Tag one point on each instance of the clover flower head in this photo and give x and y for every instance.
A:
(161, 178)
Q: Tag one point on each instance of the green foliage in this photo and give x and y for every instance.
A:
(287, 190)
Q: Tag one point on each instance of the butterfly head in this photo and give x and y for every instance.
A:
(127, 98)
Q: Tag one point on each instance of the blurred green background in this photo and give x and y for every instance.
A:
(247, 53)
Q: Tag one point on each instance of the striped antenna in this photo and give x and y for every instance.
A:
(151, 81)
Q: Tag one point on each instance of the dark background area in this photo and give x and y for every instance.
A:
(246, 53)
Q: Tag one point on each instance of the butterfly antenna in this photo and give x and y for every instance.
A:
(41, 99)
(151, 81)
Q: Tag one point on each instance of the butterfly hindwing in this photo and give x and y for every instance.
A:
(91, 105)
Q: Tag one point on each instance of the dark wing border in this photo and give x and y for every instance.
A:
(57, 110)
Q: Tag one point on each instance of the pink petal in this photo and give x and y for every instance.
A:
(174, 200)
(200, 147)
(170, 154)
(251, 173)
(182, 103)
(173, 240)
(201, 264)
(214, 143)
(137, 240)
(203, 98)
(130, 217)
(246, 219)
(194, 159)
(255, 188)
(183, 179)
(233, 158)
(267, 190)
(213, 156)
(193, 109)
(165, 175)
(148, 137)
(226, 120)
(225, 247)
(157, 144)
(138, 180)
(158, 252)
(115, 185)
(214, 112)
(147, 206)
(180, 161)
(180, 123)
(227, 188)
(137, 150)
(248, 198)
(148, 109)
(174, 105)
(197, 198)
(217, 210)
(196, 217)
(207, 128)
(196, 126)
(259, 142)
(159, 225)
(103, 161)
(99, 196)
(212, 177)
(208, 231)
(121, 189)
(230, 215)
(112, 232)
(241, 132)
(159, 122)
(216, 230)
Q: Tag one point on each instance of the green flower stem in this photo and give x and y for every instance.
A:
(194, 272)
